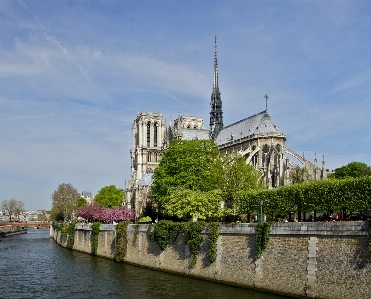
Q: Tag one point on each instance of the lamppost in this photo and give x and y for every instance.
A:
(261, 210)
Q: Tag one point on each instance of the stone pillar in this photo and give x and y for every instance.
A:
(311, 267)
(218, 260)
(258, 273)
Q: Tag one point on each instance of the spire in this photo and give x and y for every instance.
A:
(216, 113)
(216, 83)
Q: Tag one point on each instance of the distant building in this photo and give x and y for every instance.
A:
(257, 138)
(88, 196)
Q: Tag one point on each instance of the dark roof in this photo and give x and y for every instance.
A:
(87, 194)
(257, 124)
(195, 134)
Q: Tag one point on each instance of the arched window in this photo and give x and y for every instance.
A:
(148, 134)
(155, 135)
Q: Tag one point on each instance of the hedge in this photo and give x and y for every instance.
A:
(323, 196)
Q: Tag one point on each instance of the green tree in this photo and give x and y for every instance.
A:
(187, 165)
(41, 217)
(187, 204)
(299, 175)
(64, 202)
(351, 170)
(110, 197)
(56, 214)
(12, 207)
(238, 176)
(81, 202)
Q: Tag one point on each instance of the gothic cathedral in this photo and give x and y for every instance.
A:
(256, 137)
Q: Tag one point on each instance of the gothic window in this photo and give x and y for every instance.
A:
(149, 157)
(255, 160)
(148, 134)
(265, 155)
(273, 178)
(155, 135)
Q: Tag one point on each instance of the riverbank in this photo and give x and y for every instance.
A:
(302, 260)
(11, 230)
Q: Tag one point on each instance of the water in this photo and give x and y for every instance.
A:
(34, 266)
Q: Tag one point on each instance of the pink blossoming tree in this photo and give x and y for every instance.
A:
(94, 212)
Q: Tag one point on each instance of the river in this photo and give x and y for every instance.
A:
(34, 266)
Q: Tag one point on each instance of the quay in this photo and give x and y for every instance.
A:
(16, 228)
(302, 260)
(10, 230)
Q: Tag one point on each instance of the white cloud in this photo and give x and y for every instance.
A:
(353, 82)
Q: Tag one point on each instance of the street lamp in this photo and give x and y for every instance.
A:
(261, 210)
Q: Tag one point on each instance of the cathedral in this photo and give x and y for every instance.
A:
(257, 138)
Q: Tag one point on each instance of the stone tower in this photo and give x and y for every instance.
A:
(216, 113)
(149, 134)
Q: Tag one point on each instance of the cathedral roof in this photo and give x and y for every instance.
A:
(194, 134)
(87, 194)
(260, 123)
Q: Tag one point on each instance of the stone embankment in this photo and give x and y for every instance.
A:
(10, 230)
(302, 260)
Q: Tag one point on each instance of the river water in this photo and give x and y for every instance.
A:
(34, 266)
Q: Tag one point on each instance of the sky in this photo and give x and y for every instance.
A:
(74, 75)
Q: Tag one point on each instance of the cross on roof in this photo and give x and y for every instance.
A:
(266, 102)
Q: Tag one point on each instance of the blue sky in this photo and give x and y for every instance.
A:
(74, 74)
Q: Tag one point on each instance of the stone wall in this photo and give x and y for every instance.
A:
(315, 260)
(10, 230)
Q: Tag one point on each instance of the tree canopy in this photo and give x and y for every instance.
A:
(187, 170)
(94, 212)
(187, 164)
(192, 179)
(299, 175)
(351, 170)
(12, 207)
(81, 202)
(238, 176)
(64, 202)
(110, 197)
(188, 204)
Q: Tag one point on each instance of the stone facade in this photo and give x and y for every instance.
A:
(149, 131)
(302, 260)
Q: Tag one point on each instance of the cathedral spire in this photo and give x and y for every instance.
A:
(216, 83)
(216, 113)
